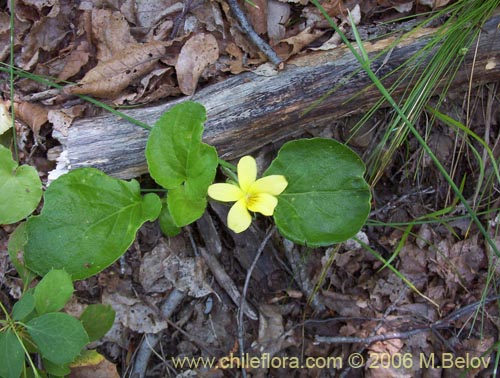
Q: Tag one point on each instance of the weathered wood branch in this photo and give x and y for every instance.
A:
(248, 111)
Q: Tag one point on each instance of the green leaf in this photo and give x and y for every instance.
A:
(56, 369)
(53, 291)
(183, 208)
(97, 319)
(20, 188)
(327, 199)
(178, 160)
(23, 307)
(17, 241)
(88, 221)
(167, 224)
(11, 355)
(59, 336)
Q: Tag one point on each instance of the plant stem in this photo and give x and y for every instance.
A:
(228, 169)
(11, 80)
(252, 34)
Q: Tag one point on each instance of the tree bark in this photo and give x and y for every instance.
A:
(248, 111)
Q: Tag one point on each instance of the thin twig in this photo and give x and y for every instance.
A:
(151, 339)
(178, 20)
(227, 283)
(377, 327)
(440, 324)
(301, 276)
(244, 293)
(252, 34)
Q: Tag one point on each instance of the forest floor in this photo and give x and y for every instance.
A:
(332, 308)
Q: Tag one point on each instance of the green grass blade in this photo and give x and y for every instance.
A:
(404, 117)
(51, 83)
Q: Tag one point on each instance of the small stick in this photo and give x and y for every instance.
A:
(151, 339)
(227, 283)
(440, 324)
(178, 20)
(241, 341)
(254, 37)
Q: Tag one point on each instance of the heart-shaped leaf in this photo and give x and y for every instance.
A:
(53, 291)
(88, 221)
(178, 160)
(185, 209)
(59, 336)
(20, 188)
(97, 319)
(23, 307)
(327, 199)
(17, 242)
(11, 355)
(167, 224)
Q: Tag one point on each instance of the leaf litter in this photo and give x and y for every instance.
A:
(128, 52)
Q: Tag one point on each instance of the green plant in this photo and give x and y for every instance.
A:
(35, 325)
(89, 220)
(448, 48)
(21, 188)
(322, 176)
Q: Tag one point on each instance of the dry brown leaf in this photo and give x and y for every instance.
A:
(210, 15)
(149, 13)
(129, 10)
(236, 62)
(46, 34)
(434, 3)
(477, 349)
(151, 79)
(158, 84)
(402, 6)
(342, 304)
(93, 365)
(272, 336)
(109, 78)
(111, 32)
(334, 7)
(61, 119)
(75, 61)
(379, 353)
(459, 263)
(301, 40)
(4, 22)
(257, 14)
(163, 90)
(413, 261)
(4, 35)
(187, 274)
(270, 324)
(133, 313)
(151, 275)
(5, 118)
(32, 114)
(197, 53)
(277, 16)
(40, 4)
(20, 26)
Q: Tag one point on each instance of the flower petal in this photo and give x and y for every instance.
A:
(238, 218)
(274, 184)
(247, 172)
(263, 203)
(225, 192)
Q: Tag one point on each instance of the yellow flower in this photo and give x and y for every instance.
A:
(250, 194)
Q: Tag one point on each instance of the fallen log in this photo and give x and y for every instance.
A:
(248, 111)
